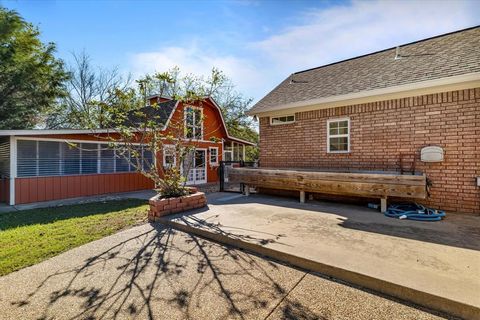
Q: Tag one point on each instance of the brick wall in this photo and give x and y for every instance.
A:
(383, 130)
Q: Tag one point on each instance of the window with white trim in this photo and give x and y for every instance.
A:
(193, 123)
(338, 135)
(282, 120)
(213, 151)
(169, 158)
(56, 158)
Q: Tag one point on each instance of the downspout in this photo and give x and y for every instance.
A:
(13, 168)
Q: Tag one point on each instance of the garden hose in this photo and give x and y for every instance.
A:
(414, 211)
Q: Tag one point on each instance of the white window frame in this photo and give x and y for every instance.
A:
(282, 123)
(165, 148)
(210, 155)
(338, 135)
(201, 123)
(78, 141)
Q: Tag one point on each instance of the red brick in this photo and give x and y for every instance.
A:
(449, 119)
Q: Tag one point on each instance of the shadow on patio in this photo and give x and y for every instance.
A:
(164, 274)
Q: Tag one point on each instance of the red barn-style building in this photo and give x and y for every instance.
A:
(40, 165)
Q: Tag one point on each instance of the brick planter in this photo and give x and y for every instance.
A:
(163, 206)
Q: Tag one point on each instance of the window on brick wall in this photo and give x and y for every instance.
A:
(282, 120)
(338, 135)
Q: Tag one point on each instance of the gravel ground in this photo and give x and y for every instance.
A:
(152, 272)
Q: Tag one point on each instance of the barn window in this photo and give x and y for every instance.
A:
(193, 123)
(213, 155)
(169, 158)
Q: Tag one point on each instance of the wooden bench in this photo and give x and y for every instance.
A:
(371, 185)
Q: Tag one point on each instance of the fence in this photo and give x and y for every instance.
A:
(223, 170)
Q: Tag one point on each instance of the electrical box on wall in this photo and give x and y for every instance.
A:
(431, 154)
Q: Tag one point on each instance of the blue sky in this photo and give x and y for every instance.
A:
(256, 43)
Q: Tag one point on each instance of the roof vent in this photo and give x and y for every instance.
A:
(296, 81)
(397, 53)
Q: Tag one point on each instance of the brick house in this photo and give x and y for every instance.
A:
(376, 112)
(40, 165)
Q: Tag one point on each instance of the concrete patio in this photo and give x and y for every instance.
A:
(436, 265)
(155, 272)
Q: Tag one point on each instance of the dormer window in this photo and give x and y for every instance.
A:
(194, 123)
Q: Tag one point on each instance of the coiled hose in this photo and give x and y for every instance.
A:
(414, 211)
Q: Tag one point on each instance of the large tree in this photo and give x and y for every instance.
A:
(88, 87)
(31, 78)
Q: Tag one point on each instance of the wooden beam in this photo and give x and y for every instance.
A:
(359, 184)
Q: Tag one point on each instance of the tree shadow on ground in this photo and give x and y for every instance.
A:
(22, 218)
(167, 274)
(190, 219)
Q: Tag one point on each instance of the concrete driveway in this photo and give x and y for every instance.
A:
(153, 272)
(435, 264)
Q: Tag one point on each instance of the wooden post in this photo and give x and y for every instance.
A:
(383, 205)
(302, 196)
(247, 190)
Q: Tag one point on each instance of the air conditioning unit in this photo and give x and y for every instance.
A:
(431, 154)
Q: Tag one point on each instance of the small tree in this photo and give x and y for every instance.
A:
(233, 103)
(139, 130)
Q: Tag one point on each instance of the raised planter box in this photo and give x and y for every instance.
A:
(163, 206)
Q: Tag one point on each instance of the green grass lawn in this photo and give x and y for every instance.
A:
(30, 236)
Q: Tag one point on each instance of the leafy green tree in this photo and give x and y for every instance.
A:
(31, 78)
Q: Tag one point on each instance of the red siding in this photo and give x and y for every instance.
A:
(35, 189)
(29, 190)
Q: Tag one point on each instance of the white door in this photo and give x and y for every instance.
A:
(195, 163)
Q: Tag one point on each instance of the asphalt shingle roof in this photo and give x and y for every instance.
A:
(161, 113)
(443, 56)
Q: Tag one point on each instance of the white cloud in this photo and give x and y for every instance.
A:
(322, 36)
(362, 27)
(200, 61)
